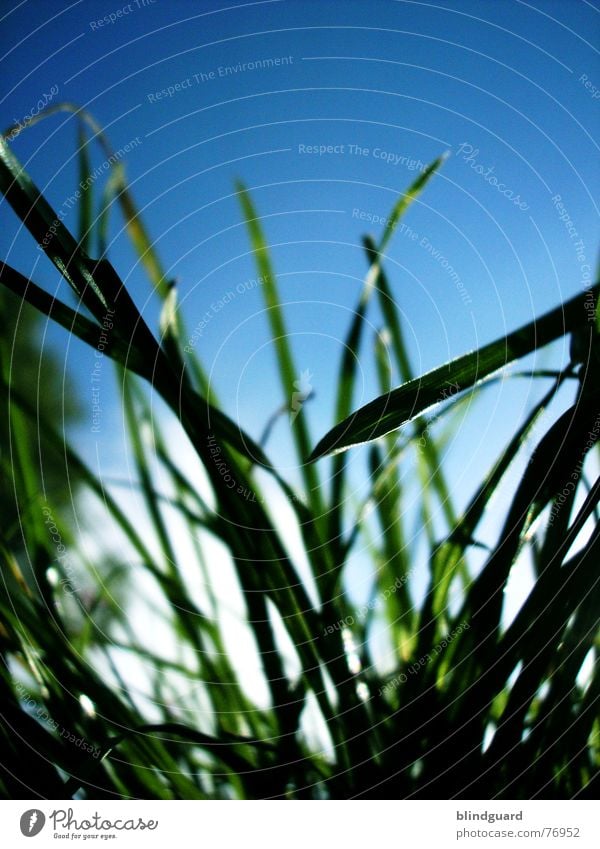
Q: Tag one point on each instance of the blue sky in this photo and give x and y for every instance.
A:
(324, 109)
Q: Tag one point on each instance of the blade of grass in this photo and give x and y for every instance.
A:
(86, 201)
(403, 404)
(348, 367)
(116, 347)
(287, 370)
(392, 318)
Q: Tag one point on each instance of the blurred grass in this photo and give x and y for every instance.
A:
(472, 707)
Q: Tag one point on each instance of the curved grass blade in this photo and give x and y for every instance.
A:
(430, 461)
(374, 281)
(403, 404)
(118, 189)
(446, 558)
(288, 373)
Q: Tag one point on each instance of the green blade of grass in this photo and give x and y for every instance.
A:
(86, 201)
(389, 507)
(131, 358)
(118, 189)
(48, 230)
(447, 557)
(348, 368)
(88, 331)
(287, 370)
(95, 282)
(407, 198)
(565, 595)
(390, 311)
(474, 655)
(391, 411)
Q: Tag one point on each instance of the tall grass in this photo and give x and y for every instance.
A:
(473, 707)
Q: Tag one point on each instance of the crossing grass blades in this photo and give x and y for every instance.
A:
(474, 708)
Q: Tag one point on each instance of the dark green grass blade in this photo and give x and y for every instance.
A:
(49, 232)
(388, 497)
(551, 587)
(86, 202)
(132, 359)
(374, 281)
(403, 404)
(447, 557)
(95, 282)
(430, 460)
(479, 667)
(73, 321)
(117, 189)
(558, 453)
(570, 594)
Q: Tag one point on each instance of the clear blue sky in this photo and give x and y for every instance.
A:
(508, 88)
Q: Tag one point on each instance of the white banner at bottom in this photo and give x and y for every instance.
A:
(302, 824)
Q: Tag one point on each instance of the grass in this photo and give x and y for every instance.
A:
(473, 708)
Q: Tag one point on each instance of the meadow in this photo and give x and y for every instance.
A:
(474, 707)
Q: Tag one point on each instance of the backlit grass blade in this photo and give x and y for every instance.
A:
(74, 322)
(288, 373)
(474, 654)
(393, 577)
(403, 404)
(430, 460)
(126, 355)
(117, 189)
(405, 200)
(136, 421)
(95, 282)
(374, 280)
(86, 202)
(550, 587)
(256, 604)
(578, 588)
(48, 230)
(448, 556)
